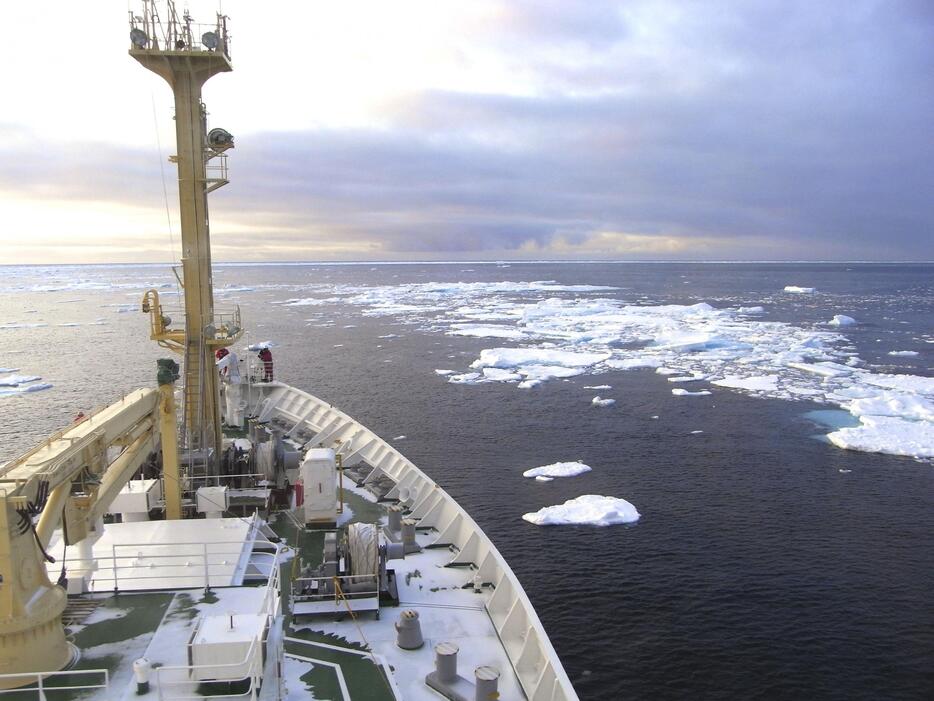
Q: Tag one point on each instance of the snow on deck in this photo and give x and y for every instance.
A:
(447, 613)
(153, 555)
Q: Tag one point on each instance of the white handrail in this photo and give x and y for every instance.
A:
(251, 660)
(43, 692)
(195, 556)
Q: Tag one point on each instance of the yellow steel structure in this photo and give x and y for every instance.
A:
(70, 479)
(186, 58)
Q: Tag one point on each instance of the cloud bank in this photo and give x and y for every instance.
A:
(647, 130)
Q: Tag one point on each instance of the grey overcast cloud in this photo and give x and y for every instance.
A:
(496, 130)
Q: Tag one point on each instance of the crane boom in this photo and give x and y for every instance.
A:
(70, 479)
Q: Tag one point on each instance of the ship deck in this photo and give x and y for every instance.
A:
(350, 655)
(150, 596)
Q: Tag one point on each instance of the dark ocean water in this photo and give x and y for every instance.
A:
(758, 569)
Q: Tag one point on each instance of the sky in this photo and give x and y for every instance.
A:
(485, 130)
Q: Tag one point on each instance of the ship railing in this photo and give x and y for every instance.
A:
(183, 682)
(352, 586)
(235, 482)
(225, 326)
(180, 33)
(256, 372)
(204, 564)
(215, 168)
(48, 686)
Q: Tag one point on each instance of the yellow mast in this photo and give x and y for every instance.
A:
(186, 55)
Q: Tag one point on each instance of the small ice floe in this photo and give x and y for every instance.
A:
(842, 320)
(480, 331)
(694, 433)
(3, 371)
(687, 378)
(6, 391)
(310, 301)
(517, 358)
(17, 380)
(261, 345)
(466, 378)
(13, 325)
(600, 401)
(586, 510)
(445, 372)
(763, 383)
(633, 363)
(751, 310)
(825, 369)
(678, 392)
(844, 472)
(667, 371)
(888, 434)
(499, 375)
(598, 386)
(399, 438)
(794, 289)
(529, 384)
(904, 354)
(558, 469)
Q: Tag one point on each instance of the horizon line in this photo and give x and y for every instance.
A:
(503, 261)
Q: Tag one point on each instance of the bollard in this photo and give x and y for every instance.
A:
(395, 518)
(408, 536)
(409, 631)
(446, 662)
(487, 679)
(141, 670)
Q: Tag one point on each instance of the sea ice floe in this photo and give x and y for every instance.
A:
(536, 357)
(16, 380)
(764, 383)
(600, 401)
(586, 510)
(558, 469)
(632, 363)
(794, 289)
(888, 434)
(569, 330)
(842, 320)
(7, 391)
(3, 371)
(678, 392)
(688, 378)
(479, 331)
(499, 375)
(903, 353)
(445, 372)
(598, 387)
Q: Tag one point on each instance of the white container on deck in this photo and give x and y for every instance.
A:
(319, 483)
(213, 501)
(136, 500)
(228, 648)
